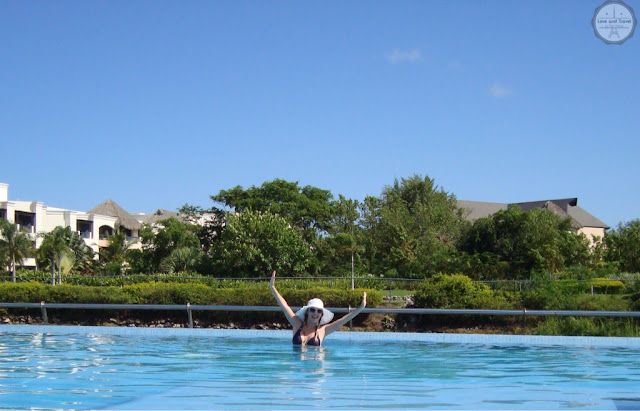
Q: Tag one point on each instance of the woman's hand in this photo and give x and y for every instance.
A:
(364, 300)
(272, 283)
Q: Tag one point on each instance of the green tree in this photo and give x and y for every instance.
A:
(254, 243)
(207, 223)
(528, 241)
(4, 258)
(159, 242)
(114, 255)
(411, 229)
(182, 259)
(341, 250)
(622, 246)
(82, 254)
(308, 208)
(53, 249)
(16, 245)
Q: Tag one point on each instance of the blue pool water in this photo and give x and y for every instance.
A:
(130, 368)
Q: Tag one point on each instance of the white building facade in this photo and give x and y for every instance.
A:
(33, 217)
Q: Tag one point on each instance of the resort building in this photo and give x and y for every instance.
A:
(107, 218)
(94, 226)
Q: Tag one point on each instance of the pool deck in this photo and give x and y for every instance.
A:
(528, 340)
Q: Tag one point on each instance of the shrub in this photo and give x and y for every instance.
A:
(589, 326)
(31, 292)
(599, 302)
(458, 291)
(552, 294)
(607, 286)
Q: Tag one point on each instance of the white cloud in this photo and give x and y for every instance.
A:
(404, 56)
(500, 91)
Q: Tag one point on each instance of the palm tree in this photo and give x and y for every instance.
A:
(16, 245)
(53, 248)
(182, 259)
(113, 255)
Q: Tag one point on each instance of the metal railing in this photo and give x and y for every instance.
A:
(421, 311)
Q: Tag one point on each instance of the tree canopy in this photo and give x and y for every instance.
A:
(15, 246)
(411, 229)
(623, 246)
(305, 207)
(253, 243)
(527, 241)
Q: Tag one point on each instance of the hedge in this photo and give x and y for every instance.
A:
(459, 291)
(177, 293)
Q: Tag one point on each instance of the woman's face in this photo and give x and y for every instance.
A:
(314, 315)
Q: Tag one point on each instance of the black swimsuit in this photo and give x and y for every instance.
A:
(297, 338)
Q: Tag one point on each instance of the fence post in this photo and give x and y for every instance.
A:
(190, 315)
(43, 311)
(350, 321)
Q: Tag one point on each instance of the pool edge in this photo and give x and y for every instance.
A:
(527, 340)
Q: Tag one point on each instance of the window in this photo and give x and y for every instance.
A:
(3, 213)
(104, 232)
(84, 228)
(25, 222)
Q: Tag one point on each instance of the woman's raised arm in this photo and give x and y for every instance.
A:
(336, 325)
(288, 312)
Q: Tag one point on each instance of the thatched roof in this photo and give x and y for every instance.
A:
(112, 209)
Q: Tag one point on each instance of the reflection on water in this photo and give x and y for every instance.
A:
(312, 359)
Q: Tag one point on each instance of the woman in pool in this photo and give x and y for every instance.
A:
(312, 322)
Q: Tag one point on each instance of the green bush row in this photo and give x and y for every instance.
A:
(195, 278)
(459, 291)
(176, 293)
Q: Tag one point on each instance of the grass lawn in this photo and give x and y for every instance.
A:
(398, 293)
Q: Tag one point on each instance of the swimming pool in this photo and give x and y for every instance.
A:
(56, 367)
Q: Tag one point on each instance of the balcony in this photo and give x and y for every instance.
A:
(85, 234)
(84, 229)
(26, 228)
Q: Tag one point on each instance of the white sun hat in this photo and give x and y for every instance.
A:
(327, 315)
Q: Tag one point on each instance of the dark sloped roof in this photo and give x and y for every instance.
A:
(112, 209)
(479, 209)
(585, 219)
(563, 204)
(550, 205)
(566, 207)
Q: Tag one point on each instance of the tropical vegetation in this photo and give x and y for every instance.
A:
(413, 230)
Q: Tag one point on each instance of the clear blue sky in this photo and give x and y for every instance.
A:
(154, 104)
